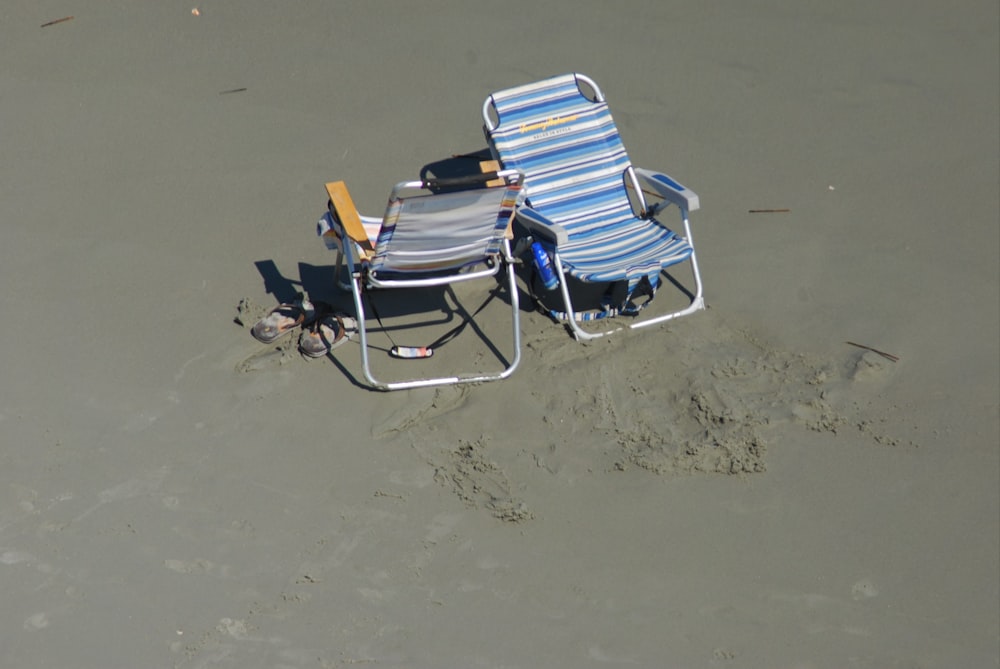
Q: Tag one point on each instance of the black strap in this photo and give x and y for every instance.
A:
(460, 182)
(366, 293)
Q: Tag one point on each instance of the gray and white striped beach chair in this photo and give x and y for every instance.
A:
(434, 232)
(585, 202)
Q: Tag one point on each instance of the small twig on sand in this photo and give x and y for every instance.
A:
(52, 23)
(232, 90)
(769, 211)
(887, 356)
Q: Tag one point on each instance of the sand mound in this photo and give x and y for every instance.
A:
(707, 400)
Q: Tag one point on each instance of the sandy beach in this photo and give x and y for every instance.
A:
(739, 488)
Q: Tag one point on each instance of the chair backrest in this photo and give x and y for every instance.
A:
(569, 149)
(429, 230)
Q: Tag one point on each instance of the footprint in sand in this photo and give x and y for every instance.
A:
(420, 477)
(237, 629)
(249, 312)
(199, 566)
(479, 482)
(275, 354)
(864, 589)
(36, 622)
(416, 407)
(871, 366)
(15, 557)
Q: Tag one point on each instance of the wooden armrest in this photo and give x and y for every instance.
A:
(494, 166)
(486, 166)
(345, 212)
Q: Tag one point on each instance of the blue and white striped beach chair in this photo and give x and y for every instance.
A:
(585, 202)
(433, 233)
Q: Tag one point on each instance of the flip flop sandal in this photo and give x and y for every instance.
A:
(282, 319)
(327, 333)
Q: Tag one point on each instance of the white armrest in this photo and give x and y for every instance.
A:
(665, 187)
(536, 223)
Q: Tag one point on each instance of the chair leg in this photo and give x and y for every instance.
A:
(697, 303)
(578, 332)
(359, 309)
(515, 307)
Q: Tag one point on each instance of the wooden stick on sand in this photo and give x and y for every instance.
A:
(887, 356)
(52, 23)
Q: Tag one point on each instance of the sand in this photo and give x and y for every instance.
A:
(741, 488)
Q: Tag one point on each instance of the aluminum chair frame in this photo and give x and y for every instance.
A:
(359, 248)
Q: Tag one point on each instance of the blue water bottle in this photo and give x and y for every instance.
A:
(544, 266)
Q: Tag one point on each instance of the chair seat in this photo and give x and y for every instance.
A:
(624, 250)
